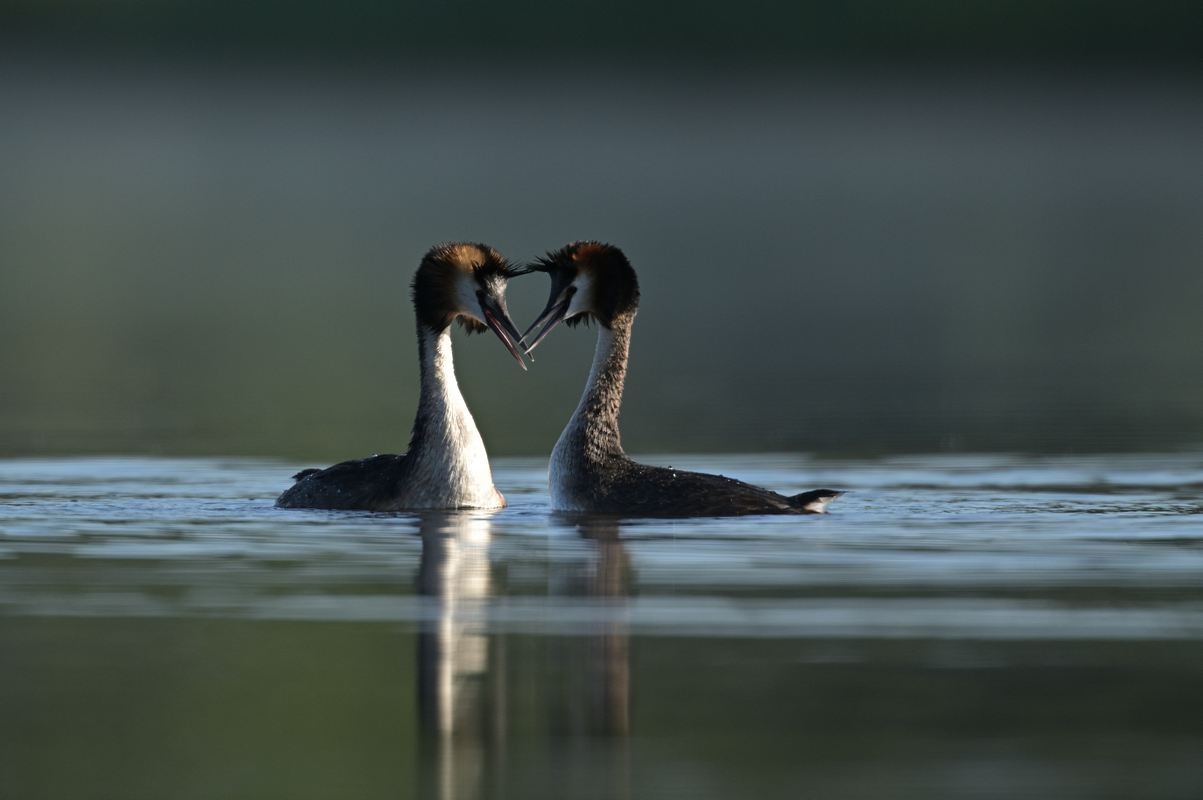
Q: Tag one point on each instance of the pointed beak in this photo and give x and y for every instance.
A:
(557, 307)
(498, 319)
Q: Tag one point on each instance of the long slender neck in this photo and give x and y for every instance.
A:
(594, 424)
(440, 404)
(444, 433)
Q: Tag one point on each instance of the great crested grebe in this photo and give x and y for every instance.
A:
(446, 465)
(589, 470)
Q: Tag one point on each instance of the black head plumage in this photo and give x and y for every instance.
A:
(612, 283)
(437, 282)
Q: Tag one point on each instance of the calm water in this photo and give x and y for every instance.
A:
(970, 626)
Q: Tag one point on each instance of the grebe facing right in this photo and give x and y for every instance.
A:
(446, 466)
(589, 471)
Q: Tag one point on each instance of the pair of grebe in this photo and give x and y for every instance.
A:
(447, 466)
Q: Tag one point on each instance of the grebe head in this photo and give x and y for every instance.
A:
(466, 282)
(588, 280)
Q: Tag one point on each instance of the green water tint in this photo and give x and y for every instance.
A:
(960, 627)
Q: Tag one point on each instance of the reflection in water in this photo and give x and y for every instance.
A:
(608, 654)
(607, 663)
(460, 706)
(462, 682)
(967, 626)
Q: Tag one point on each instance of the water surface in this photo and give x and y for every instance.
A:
(960, 626)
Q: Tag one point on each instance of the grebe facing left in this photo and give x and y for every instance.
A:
(446, 465)
(589, 471)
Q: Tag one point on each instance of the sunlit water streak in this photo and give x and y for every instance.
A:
(942, 546)
(959, 626)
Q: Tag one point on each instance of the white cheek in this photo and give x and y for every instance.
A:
(469, 304)
(582, 300)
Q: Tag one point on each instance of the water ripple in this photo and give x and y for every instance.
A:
(935, 546)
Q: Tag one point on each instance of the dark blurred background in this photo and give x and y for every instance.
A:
(860, 227)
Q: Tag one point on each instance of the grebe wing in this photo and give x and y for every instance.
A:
(369, 484)
(664, 491)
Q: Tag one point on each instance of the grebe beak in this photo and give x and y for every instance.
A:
(497, 318)
(552, 316)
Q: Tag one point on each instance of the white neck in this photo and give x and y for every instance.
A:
(451, 467)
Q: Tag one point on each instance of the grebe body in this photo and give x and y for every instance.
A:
(446, 466)
(589, 471)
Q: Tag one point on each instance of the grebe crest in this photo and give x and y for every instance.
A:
(589, 280)
(466, 282)
(589, 471)
(446, 466)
